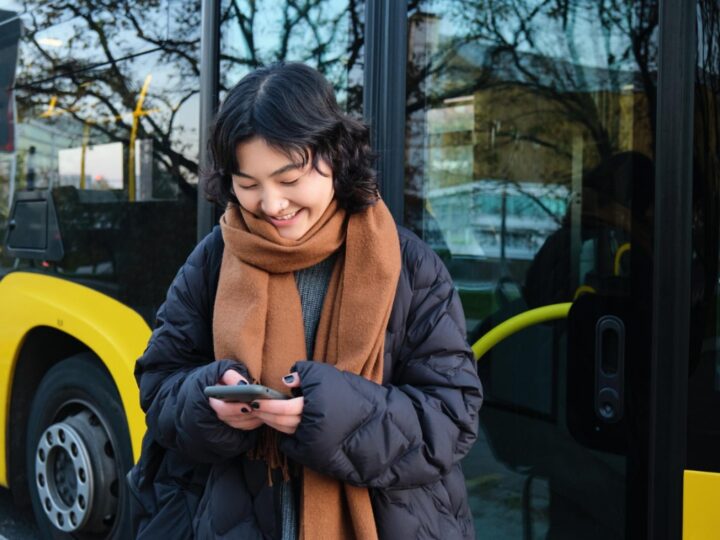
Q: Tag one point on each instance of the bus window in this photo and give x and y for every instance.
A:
(529, 169)
(105, 111)
(328, 35)
(8, 60)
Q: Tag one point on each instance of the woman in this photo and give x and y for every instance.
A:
(307, 264)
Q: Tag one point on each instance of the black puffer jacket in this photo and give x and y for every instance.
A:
(403, 440)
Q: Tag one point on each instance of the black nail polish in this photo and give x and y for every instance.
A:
(289, 378)
(255, 405)
(241, 383)
(245, 410)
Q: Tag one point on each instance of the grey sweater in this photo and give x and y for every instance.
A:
(312, 284)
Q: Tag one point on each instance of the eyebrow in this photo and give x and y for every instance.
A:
(283, 169)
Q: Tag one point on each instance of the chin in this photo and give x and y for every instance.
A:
(292, 235)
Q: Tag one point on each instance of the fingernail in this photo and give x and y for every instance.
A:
(289, 378)
(241, 382)
(245, 410)
(255, 405)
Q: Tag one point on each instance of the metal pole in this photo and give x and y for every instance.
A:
(209, 85)
(672, 267)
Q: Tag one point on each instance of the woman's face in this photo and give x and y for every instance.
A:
(274, 187)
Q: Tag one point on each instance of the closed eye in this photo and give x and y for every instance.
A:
(291, 182)
(246, 187)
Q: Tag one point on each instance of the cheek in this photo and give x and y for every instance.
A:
(329, 194)
(323, 191)
(247, 199)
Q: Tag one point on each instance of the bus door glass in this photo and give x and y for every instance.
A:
(327, 35)
(529, 164)
(101, 132)
(703, 451)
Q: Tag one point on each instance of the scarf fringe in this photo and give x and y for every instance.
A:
(267, 449)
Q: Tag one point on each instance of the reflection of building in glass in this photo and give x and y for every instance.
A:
(102, 165)
(46, 138)
(83, 96)
(479, 218)
(526, 124)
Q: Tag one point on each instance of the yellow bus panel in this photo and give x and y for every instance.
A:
(701, 493)
(113, 331)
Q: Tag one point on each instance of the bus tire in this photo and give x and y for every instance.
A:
(78, 453)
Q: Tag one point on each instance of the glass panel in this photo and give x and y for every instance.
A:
(104, 119)
(529, 169)
(704, 390)
(325, 34)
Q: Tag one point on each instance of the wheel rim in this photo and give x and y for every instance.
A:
(76, 474)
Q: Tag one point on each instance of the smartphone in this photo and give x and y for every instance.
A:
(243, 393)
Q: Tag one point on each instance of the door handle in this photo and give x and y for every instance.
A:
(609, 368)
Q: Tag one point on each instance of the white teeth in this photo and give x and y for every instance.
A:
(285, 217)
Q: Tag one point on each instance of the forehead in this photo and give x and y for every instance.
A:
(256, 157)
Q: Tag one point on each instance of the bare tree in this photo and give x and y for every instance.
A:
(109, 48)
(326, 35)
(88, 60)
(536, 46)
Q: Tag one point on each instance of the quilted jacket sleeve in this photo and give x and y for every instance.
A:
(178, 364)
(412, 431)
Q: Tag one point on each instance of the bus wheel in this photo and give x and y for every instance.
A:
(78, 452)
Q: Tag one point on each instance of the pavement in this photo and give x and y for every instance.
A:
(15, 524)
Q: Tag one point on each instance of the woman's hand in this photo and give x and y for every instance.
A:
(237, 415)
(281, 414)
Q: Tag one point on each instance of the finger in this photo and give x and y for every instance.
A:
(292, 380)
(236, 415)
(232, 377)
(292, 406)
(229, 410)
(288, 424)
(274, 420)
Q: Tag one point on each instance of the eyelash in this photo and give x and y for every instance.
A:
(290, 183)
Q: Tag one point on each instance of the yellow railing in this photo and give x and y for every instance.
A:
(517, 323)
(622, 250)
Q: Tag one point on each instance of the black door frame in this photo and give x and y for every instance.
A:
(671, 274)
(384, 110)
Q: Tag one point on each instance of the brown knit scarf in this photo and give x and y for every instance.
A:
(258, 320)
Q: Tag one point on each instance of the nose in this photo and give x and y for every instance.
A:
(273, 202)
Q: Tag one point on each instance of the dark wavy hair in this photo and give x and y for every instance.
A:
(293, 108)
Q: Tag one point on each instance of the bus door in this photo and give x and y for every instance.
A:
(530, 169)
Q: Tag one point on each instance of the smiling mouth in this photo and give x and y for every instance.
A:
(286, 217)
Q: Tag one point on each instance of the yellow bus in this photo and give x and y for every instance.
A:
(561, 157)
